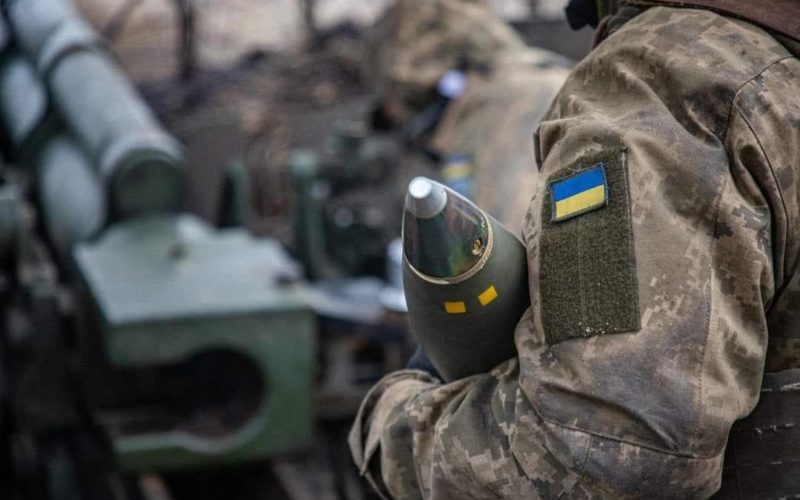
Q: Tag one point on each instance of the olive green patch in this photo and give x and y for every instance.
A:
(588, 268)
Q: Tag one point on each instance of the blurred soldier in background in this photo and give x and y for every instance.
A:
(663, 245)
(468, 90)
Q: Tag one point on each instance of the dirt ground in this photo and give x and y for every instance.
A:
(226, 29)
(229, 29)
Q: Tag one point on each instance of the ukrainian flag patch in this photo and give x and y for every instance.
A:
(579, 193)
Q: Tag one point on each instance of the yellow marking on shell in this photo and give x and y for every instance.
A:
(455, 307)
(583, 201)
(488, 296)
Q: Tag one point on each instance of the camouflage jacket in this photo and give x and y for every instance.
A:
(655, 304)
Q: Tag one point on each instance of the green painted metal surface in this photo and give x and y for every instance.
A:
(23, 103)
(170, 288)
(43, 29)
(72, 199)
(10, 197)
(309, 237)
(140, 165)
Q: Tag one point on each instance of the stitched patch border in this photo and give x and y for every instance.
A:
(588, 280)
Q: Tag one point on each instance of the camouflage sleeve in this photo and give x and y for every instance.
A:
(415, 438)
(663, 221)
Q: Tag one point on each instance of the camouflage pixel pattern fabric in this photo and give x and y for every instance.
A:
(709, 111)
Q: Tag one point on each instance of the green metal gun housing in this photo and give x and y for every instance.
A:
(159, 296)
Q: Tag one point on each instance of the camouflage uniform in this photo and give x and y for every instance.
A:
(419, 40)
(696, 117)
(492, 122)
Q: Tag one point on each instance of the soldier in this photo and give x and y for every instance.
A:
(485, 130)
(660, 293)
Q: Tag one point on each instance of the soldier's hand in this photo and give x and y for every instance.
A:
(420, 361)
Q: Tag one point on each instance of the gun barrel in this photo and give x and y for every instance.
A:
(140, 164)
(72, 198)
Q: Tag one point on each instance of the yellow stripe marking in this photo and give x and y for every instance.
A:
(488, 296)
(456, 170)
(455, 307)
(581, 201)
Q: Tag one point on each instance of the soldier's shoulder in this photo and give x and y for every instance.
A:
(693, 62)
(695, 47)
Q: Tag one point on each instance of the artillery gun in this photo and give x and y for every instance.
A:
(135, 337)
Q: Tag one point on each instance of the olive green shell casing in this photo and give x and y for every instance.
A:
(466, 323)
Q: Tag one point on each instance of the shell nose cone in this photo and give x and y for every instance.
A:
(425, 198)
(444, 234)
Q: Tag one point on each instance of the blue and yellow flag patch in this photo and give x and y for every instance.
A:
(580, 193)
